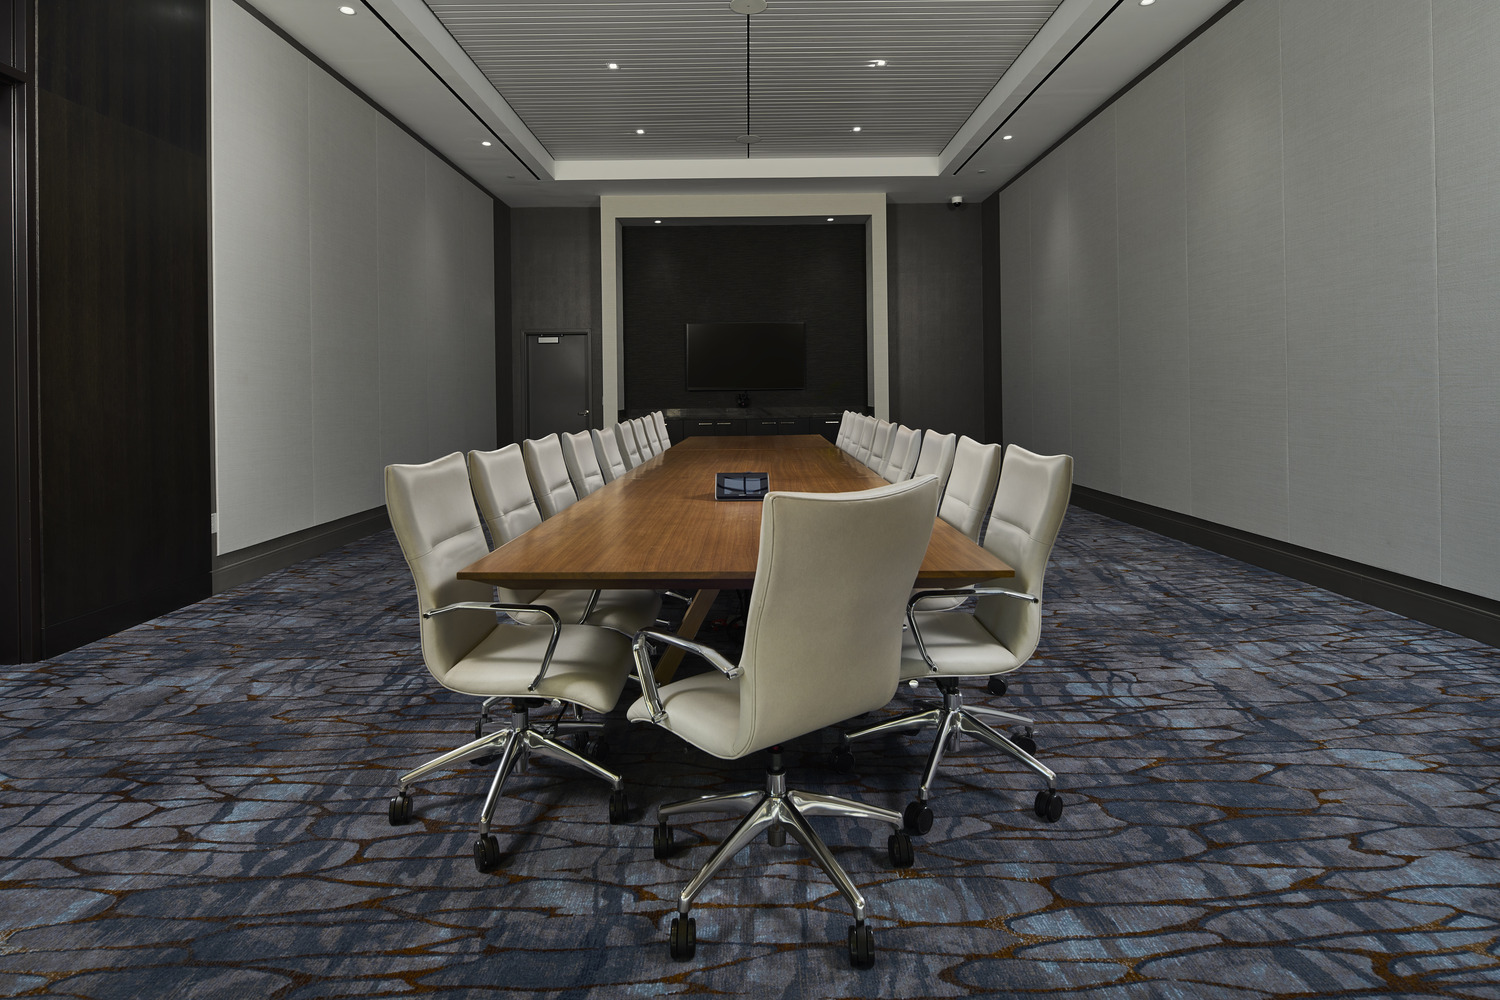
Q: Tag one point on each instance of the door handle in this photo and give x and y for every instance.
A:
(583, 413)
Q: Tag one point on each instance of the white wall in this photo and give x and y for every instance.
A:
(353, 293)
(1263, 287)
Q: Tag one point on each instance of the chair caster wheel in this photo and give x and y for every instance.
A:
(1025, 743)
(684, 939)
(917, 818)
(399, 812)
(901, 852)
(661, 842)
(486, 853)
(996, 686)
(590, 745)
(843, 760)
(1049, 805)
(861, 946)
(619, 806)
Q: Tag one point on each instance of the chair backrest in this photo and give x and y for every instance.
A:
(548, 474)
(645, 433)
(976, 467)
(880, 444)
(936, 456)
(607, 450)
(902, 461)
(629, 449)
(846, 429)
(583, 464)
(864, 438)
(1030, 503)
(433, 515)
(661, 429)
(823, 630)
(504, 492)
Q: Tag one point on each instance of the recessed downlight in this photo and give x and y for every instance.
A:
(877, 62)
(485, 142)
(347, 10)
(1007, 137)
(747, 6)
(855, 129)
(1147, 3)
(830, 218)
(614, 65)
(657, 221)
(640, 131)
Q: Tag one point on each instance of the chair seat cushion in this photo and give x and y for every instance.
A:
(703, 709)
(626, 610)
(958, 644)
(589, 667)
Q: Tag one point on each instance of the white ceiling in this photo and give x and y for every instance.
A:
(531, 77)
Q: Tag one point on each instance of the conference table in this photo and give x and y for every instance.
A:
(659, 527)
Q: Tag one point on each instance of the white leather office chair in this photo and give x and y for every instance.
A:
(846, 430)
(645, 430)
(936, 456)
(505, 500)
(864, 439)
(997, 639)
(548, 473)
(582, 463)
(976, 467)
(880, 445)
(630, 449)
(469, 652)
(607, 451)
(902, 461)
(822, 640)
(661, 429)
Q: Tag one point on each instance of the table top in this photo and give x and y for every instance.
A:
(659, 526)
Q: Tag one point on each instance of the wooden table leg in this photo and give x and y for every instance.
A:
(666, 667)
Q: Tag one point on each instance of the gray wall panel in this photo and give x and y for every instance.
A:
(936, 317)
(1053, 247)
(261, 298)
(554, 286)
(1236, 291)
(353, 293)
(405, 230)
(345, 318)
(1094, 383)
(1361, 282)
(1466, 46)
(1155, 401)
(1015, 310)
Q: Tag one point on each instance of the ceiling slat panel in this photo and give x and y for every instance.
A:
(682, 71)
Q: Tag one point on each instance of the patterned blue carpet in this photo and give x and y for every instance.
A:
(1272, 791)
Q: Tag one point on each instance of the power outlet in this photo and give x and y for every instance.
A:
(213, 523)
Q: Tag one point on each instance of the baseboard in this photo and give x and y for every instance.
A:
(1454, 610)
(255, 561)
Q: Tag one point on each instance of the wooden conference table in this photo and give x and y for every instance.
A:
(659, 527)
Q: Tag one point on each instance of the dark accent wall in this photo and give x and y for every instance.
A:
(505, 420)
(17, 567)
(675, 275)
(120, 316)
(555, 285)
(989, 220)
(938, 374)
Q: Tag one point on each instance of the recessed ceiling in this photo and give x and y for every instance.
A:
(532, 78)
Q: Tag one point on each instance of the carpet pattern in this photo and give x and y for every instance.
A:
(1271, 791)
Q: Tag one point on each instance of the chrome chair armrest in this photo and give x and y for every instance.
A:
(538, 608)
(911, 610)
(640, 648)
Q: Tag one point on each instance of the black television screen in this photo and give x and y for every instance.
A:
(743, 356)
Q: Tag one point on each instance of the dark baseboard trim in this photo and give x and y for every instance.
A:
(255, 561)
(66, 636)
(1454, 610)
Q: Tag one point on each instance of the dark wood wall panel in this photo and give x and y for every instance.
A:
(505, 420)
(675, 275)
(936, 319)
(17, 567)
(121, 313)
(994, 421)
(555, 282)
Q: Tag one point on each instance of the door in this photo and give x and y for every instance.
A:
(557, 383)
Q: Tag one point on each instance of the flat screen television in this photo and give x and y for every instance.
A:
(745, 356)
